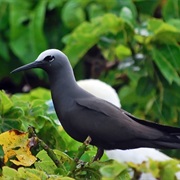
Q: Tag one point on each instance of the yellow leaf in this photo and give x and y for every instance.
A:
(16, 147)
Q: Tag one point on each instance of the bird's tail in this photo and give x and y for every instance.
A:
(170, 139)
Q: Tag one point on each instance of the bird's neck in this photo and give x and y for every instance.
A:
(64, 89)
(62, 82)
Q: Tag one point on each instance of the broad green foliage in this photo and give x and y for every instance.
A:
(34, 113)
(9, 116)
(24, 110)
(26, 28)
(87, 35)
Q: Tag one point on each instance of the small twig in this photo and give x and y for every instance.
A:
(81, 151)
(49, 151)
(31, 132)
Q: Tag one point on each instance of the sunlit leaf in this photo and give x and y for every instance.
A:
(127, 15)
(122, 51)
(95, 10)
(169, 170)
(54, 139)
(146, 7)
(26, 29)
(171, 9)
(172, 54)
(88, 34)
(71, 20)
(113, 170)
(128, 4)
(9, 173)
(46, 164)
(162, 32)
(27, 173)
(40, 93)
(165, 67)
(5, 103)
(174, 22)
(16, 144)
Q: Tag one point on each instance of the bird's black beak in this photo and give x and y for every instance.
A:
(34, 64)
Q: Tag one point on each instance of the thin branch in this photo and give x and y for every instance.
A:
(49, 151)
(81, 151)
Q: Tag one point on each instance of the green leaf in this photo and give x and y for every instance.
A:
(26, 29)
(9, 123)
(37, 93)
(45, 163)
(95, 10)
(146, 7)
(14, 113)
(87, 35)
(54, 3)
(5, 103)
(38, 107)
(127, 15)
(40, 93)
(153, 168)
(29, 173)
(32, 174)
(127, 4)
(71, 20)
(168, 169)
(172, 96)
(122, 51)
(154, 24)
(172, 53)
(36, 35)
(62, 156)
(113, 170)
(165, 66)
(174, 22)
(9, 173)
(19, 15)
(171, 9)
(4, 53)
(55, 139)
(169, 115)
(145, 86)
(162, 32)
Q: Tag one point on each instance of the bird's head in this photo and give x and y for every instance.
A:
(47, 60)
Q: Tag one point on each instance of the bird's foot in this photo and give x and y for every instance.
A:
(99, 154)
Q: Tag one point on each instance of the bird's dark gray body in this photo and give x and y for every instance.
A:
(82, 114)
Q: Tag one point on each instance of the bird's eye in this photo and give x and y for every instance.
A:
(49, 58)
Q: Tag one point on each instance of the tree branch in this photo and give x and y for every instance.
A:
(81, 151)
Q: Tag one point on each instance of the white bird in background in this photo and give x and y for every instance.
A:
(137, 156)
(100, 89)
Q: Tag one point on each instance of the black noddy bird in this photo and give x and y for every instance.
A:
(82, 114)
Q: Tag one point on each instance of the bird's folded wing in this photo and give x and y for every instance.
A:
(102, 106)
(115, 121)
